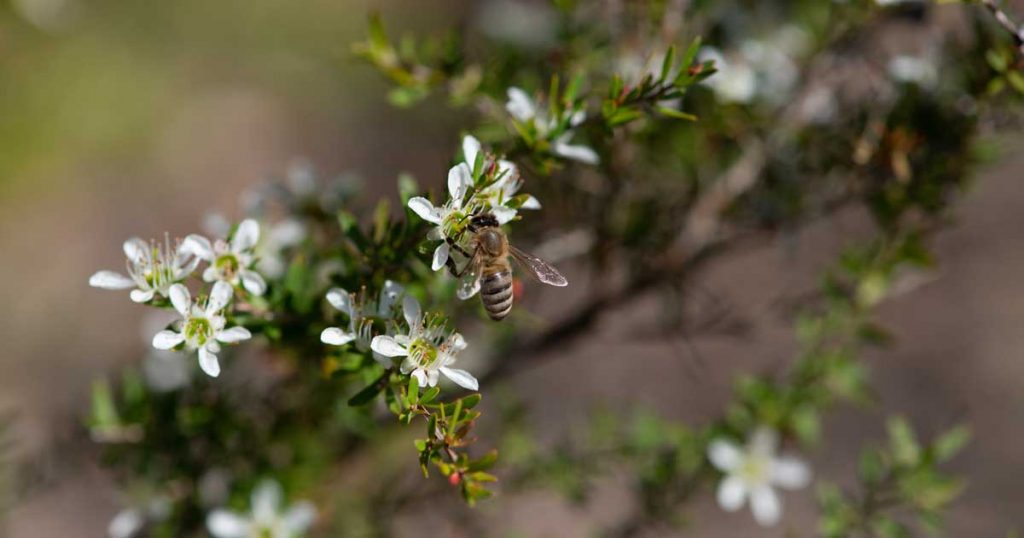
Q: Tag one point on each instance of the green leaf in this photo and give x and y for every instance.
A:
(677, 114)
(691, 55)
(668, 63)
(951, 443)
(407, 187)
(413, 393)
(369, 393)
(483, 463)
(904, 446)
(807, 424)
(471, 401)
(430, 395)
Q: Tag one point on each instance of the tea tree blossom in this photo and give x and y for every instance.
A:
(152, 269)
(266, 519)
(361, 314)
(500, 195)
(753, 471)
(230, 262)
(451, 218)
(202, 326)
(427, 351)
(524, 110)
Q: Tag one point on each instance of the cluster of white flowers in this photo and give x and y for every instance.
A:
(490, 188)
(267, 517)
(428, 348)
(232, 261)
(752, 471)
(152, 269)
(202, 327)
(757, 68)
(158, 271)
(525, 110)
(361, 313)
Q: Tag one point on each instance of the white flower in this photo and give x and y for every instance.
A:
(126, 524)
(152, 269)
(500, 193)
(427, 351)
(522, 107)
(360, 317)
(270, 260)
(449, 218)
(202, 326)
(266, 519)
(913, 69)
(734, 81)
(230, 262)
(752, 471)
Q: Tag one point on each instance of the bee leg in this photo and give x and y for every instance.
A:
(459, 273)
(459, 249)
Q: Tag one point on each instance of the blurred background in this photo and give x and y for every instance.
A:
(136, 118)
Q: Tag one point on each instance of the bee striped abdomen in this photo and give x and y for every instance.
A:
(496, 293)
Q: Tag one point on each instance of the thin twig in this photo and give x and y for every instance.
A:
(1007, 23)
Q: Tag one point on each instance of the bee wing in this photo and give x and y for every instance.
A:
(469, 282)
(538, 268)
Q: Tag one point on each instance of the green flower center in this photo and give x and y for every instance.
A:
(198, 330)
(754, 469)
(422, 352)
(227, 264)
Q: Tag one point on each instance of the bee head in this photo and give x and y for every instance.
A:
(484, 220)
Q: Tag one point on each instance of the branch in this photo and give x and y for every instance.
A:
(1007, 23)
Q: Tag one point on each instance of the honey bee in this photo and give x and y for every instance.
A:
(489, 271)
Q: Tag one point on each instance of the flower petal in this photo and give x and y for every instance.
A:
(266, 500)
(136, 249)
(421, 376)
(253, 282)
(208, 362)
(234, 334)
(764, 502)
(531, 203)
(392, 290)
(731, 493)
(110, 280)
(246, 236)
(341, 300)
(470, 149)
(520, 105)
(460, 179)
(387, 346)
(426, 210)
(167, 339)
(503, 214)
(579, 153)
(411, 310)
(220, 296)
(577, 118)
(300, 517)
(440, 256)
(461, 378)
(140, 296)
(180, 298)
(125, 524)
(725, 455)
(336, 337)
(764, 441)
(790, 473)
(225, 524)
(198, 246)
